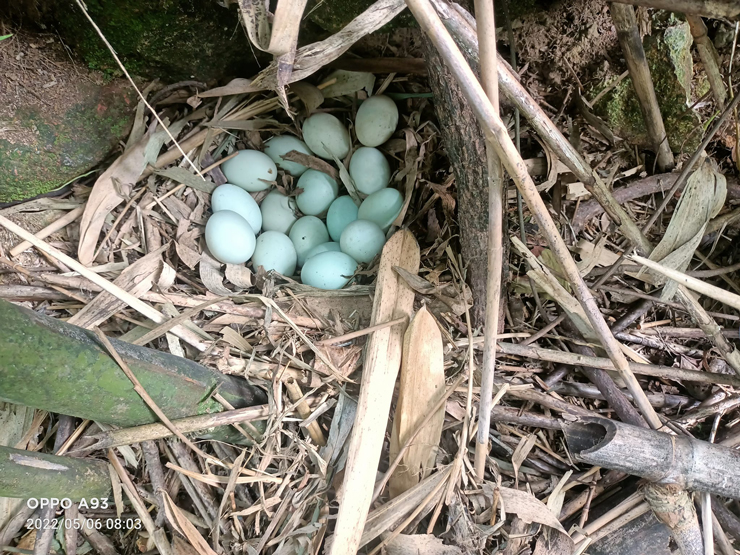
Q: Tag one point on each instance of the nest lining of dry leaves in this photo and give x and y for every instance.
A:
(270, 330)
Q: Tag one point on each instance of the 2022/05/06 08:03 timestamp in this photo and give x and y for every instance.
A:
(110, 523)
(87, 523)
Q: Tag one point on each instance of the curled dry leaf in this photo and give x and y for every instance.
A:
(312, 57)
(255, 21)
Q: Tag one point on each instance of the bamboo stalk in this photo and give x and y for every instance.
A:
(709, 58)
(492, 124)
(715, 9)
(625, 21)
(486, 31)
(53, 227)
(663, 459)
(545, 128)
(563, 357)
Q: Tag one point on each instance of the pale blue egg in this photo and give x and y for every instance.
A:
(369, 169)
(319, 191)
(328, 270)
(229, 237)
(342, 212)
(278, 146)
(326, 135)
(323, 247)
(307, 233)
(382, 207)
(251, 170)
(278, 212)
(275, 251)
(236, 199)
(362, 240)
(376, 120)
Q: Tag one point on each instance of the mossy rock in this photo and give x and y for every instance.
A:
(668, 51)
(50, 144)
(167, 39)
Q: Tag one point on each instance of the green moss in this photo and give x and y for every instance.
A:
(669, 57)
(167, 39)
(56, 145)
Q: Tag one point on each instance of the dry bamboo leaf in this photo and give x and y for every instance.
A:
(235, 86)
(702, 199)
(181, 523)
(239, 275)
(521, 453)
(166, 278)
(420, 543)
(313, 57)
(136, 279)
(348, 83)
(311, 96)
(233, 338)
(117, 490)
(312, 162)
(349, 183)
(115, 185)
(187, 255)
(410, 172)
(285, 26)
(421, 385)
(256, 22)
(186, 177)
(528, 508)
(211, 276)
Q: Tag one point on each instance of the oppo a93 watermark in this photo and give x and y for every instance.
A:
(66, 503)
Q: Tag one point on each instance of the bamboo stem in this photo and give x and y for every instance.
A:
(492, 124)
(709, 58)
(629, 38)
(486, 30)
(574, 359)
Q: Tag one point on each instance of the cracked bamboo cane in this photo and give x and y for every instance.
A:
(489, 80)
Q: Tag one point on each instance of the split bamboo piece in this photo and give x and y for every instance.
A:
(625, 21)
(421, 385)
(515, 166)
(393, 299)
(486, 30)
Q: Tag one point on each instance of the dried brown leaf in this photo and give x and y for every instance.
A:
(181, 523)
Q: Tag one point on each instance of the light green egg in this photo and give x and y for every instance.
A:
(229, 237)
(362, 240)
(323, 247)
(278, 212)
(382, 207)
(275, 251)
(370, 170)
(341, 212)
(328, 270)
(278, 146)
(376, 120)
(307, 233)
(236, 199)
(326, 135)
(319, 191)
(251, 170)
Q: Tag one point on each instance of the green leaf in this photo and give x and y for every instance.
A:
(6, 36)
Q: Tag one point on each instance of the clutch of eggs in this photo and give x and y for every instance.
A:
(318, 232)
